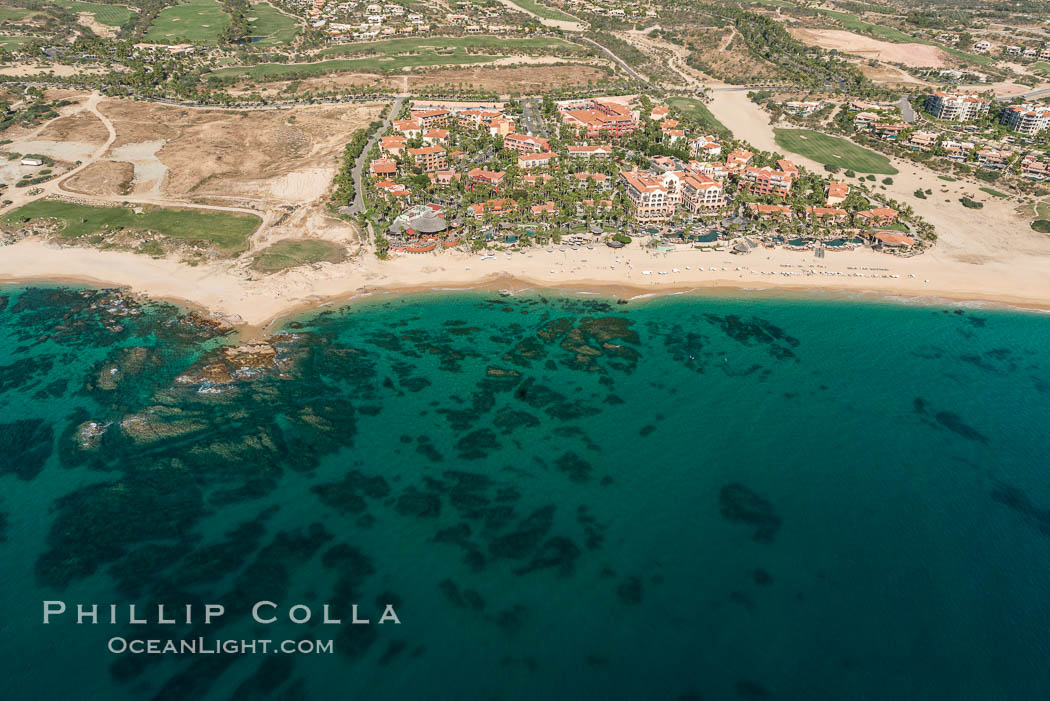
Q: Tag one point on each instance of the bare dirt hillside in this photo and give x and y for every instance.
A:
(912, 54)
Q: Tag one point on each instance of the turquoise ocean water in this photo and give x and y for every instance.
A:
(563, 497)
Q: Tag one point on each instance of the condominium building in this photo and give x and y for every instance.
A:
(1028, 118)
(430, 119)
(523, 143)
(956, 107)
(738, 160)
(429, 158)
(705, 147)
(381, 167)
(770, 181)
(700, 192)
(542, 159)
(498, 207)
(757, 210)
(993, 158)
(409, 128)
(1036, 168)
(836, 192)
(392, 144)
(584, 151)
(482, 176)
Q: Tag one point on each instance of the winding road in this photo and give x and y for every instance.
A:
(359, 191)
(56, 187)
(21, 196)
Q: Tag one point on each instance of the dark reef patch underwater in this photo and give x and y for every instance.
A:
(562, 498)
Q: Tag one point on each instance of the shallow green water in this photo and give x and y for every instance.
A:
(562, 497)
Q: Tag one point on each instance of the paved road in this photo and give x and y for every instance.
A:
(616, 59)
(1033, 95)
(737, 88)
(907, 113)
(358, 205)
(532, 117)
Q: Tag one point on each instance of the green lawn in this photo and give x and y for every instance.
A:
(543, 11)
(110, 15)
(831, 150)
(270, 27)
(9, 14)
(278, 71)
(228, 232)
(395, 54)
(994, 193)
(392, 47)
(192, 22)
(856, 24)
(1041, 67)
(695, 109)
(947, 177)
(13, 43)
(290, 253)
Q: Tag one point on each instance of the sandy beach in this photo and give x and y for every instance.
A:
(988, 255)
(255, 304)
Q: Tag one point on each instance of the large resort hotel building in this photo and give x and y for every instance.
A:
(654, 198)
(598, 117)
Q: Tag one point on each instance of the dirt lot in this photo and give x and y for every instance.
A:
(84, 127)
(866, 47)
(57, 69)
(724, 54)
(332, 81)
(102, 178)
(1003, 89)
(502, 79)
(509, 79)
(229, 154)
(279, 163)
(889, 75)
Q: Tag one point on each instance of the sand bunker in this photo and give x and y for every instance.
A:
(912, 54)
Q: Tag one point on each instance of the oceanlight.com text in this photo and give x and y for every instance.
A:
(202, 646)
